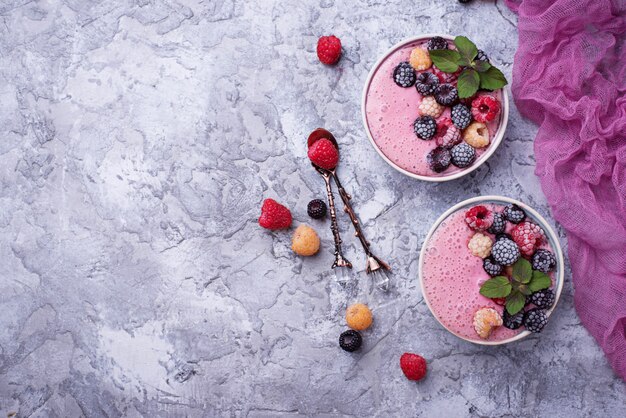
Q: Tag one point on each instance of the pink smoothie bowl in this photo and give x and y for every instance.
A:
(402, 146)
(468, 298)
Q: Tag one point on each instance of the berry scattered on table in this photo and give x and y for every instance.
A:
(543, 299)
(430, 107)
(413, 366)
(437, 42)
(305, 241)
(316, 209)
(481, 56)
(420, 60)
(505, 252)
(527, 236)
(512, 321)
(485, 108)
(480, 245)
(491, 267)
(477, 135)
(404, 75)
(461, 116)
(479, 218)
(323, 153)
(329, 49)
(462, 155)
(426, 83)
(447, 134)
(446, 94)
(535, 319)
(425, 127)
(485, 321)
(274, 215)
(439, 159)
(359, 316)
(350, 340)
(543, 260)
(499, 224)
(514, 213)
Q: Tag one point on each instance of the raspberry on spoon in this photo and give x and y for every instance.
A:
(324, 154)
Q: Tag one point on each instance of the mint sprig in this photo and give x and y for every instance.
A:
(524, 282)
(474, 74)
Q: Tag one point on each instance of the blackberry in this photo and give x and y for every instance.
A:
(439, 159)
(437, 42)
(316, 209)
(499, 224)
(514, 213)
(426, 83)
(512, 321)
(461, 116)
(535, 320)
(491, 267)
(543, 260)
(404, 75)
(481, 56)
(505, 252)
(462, 155)
(464, 1)
(543, 299)
(425, 127)
(350, 340)
(446, 94)
(503, 235)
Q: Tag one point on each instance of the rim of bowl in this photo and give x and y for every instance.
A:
(492, 148)
(553, 240)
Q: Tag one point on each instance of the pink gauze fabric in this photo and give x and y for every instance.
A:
(569, 77)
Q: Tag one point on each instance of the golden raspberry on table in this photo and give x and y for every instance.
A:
(430, 107)
(359, 316)
(420, 59)
(305, 241)
(480, 245)
(477, 135)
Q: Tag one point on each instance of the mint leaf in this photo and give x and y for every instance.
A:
(522, 271)
(468, 83)
(481, 66)
(515, 303)
(466, 48)
(492, 79)
(497, 287)
(539, 281)
(445, 59)
(524, 290)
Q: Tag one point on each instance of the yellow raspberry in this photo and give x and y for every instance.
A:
(359, 317)
(477, 135)
(430, 107)
(485, 320)
(305, 241)
(420, 60)
(480, 245)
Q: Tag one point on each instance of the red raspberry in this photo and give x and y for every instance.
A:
(499, 301)
(479, 218)
(329, 49)
(413, 366)
(447, 77)
(274, 215)
(485, 108)
(527, 236)
(447, 135)
(324, 154)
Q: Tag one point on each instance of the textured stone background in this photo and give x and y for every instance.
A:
(138, 139)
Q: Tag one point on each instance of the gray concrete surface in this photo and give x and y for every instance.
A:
(138, 139)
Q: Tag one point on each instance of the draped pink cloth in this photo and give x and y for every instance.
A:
(569, 77)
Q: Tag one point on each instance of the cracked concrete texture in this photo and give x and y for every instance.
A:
(139, 138)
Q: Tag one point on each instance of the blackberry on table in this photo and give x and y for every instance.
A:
(491, 267)
(462, 155)
(543, 260)
(437, 42)
(481, 56)
(404, 75)
(543, 299)
(499, 224)
(316, 209)
(505, 252)
(439, 159)
(461, 116)
(425, 127)
(535, 320)
(426, 83)
(446, 94)
(350, 340)
(512, 321)
(514, 213)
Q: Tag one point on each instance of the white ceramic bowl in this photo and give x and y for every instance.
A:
(530, 213)
(484, 157)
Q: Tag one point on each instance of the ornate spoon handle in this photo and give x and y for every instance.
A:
(340, 261)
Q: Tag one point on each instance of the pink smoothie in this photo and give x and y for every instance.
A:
(391, 110)
(452, 277)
